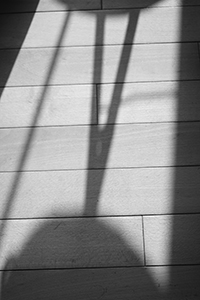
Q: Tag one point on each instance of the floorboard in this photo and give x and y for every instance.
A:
(72, 243)
(150, 102)
(123, 192)
(147, 62)
(172, 239)
(60, 148)
(107, 284)
(146, 3)
(61, 105)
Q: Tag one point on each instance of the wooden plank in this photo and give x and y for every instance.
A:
(60, 105)
(142, 145)
(150, 102)
(126, 283)
(76, 66)
(147, 3)
(71, 105)
(48, 5)
(72, 243)
(153, 26)
(172, 239)
(123, 192)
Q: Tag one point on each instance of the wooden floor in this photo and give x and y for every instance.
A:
(100, 149)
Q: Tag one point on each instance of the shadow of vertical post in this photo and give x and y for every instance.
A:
(101, 139)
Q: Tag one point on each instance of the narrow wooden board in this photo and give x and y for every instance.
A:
(129, 283)
(72, 243)
(150, 102)
(131, 145)
(72, 105)
(48, 5)
(172, 239)
(123, 192)
(60, 105)
(156, 25)
(147, 3)
(76, 65)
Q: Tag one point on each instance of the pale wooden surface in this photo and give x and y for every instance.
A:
(146, 63)
(71, 104)
(136, 192)
(135, 145)
(116, 204)
(63, 105)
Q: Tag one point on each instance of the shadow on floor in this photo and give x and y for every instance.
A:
(79, 244)
(76, 243)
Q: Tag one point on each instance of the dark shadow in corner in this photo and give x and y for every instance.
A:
(11, 36)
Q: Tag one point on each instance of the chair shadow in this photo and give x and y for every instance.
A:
(87, 255)
(69, 247)
(106, 246)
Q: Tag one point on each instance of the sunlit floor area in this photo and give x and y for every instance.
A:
(100, 149)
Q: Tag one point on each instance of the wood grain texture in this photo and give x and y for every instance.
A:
(76, 66)
(147, 3)
(48, 5)
(172, 239)
(156, 25)
(151, 102)
(72, 243)
(71, 105)
(61, 105)
(129, 283)
(124, 192)
(67, 147)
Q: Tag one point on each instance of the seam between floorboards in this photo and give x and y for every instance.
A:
(96, 46)
(106, 217)
(101, 268)
(143, 237)
(100, 169)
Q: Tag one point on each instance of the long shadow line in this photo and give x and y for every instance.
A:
(24, 156)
